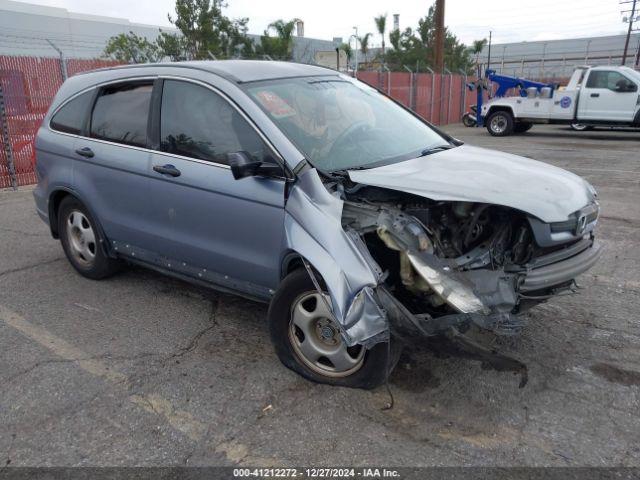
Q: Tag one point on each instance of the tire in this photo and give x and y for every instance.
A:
(467, 121)
(369, 366)
(81, 241)
(578, 127)
(500, 123)
(522, 127)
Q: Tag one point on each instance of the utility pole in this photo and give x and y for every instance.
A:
(438, 57)
(355, 50)
(631, 19)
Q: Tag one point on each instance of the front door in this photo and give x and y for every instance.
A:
(609, 96)
(217, 228)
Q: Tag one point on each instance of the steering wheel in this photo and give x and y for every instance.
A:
(344, 136)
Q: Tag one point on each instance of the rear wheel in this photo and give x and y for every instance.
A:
(500, 123)
(468, 121)
(309, 342)
(579, 127)
(522, 127)
(81, 241)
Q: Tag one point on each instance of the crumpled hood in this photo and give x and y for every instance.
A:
(473, 174)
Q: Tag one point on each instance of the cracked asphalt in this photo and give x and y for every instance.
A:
(145, 370)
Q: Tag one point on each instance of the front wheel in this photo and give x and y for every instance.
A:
(308, 341)
(500, 123)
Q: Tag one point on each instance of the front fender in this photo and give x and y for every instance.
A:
(314, 230)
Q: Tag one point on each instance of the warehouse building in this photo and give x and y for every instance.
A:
(556, 59)
(41, 31)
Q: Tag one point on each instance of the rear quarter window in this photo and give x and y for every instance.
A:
(71, 117)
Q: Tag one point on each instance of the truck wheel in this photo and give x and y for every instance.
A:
(308, 342)
(522, 127)
(500, 123)
(578, 127)
(468, 121)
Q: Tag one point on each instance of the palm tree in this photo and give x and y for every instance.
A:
(364, 45)
(346, 48)
(477, 46)
(381, 25)
(284, 31)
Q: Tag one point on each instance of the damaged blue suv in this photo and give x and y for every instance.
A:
(362, 225)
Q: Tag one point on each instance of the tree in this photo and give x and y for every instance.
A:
(131, 48)
(394, 38)
(414, 47)
(207, 31)
(346, 48)
(381, 25)
(476, 48)
(280, 46)
(364, 45)
(172, 45)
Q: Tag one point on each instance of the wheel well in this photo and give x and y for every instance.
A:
(292, 261)
(500, 108)
(54, 203)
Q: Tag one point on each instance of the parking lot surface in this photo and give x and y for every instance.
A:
(141, 369)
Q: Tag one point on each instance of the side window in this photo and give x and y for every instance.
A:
(609, 79)
(70, 118)
(597, 79)
(196, 122)
(121, 112)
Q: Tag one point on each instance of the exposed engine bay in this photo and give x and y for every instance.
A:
(439, 267)
(464, 236)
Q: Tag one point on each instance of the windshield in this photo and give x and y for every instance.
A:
(339, 123)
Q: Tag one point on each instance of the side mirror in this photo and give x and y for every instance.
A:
(625, 86)
(244, 165)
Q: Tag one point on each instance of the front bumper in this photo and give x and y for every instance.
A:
(561, 267)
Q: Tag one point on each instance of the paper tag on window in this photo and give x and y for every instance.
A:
(275, 105)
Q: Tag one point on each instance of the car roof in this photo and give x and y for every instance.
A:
(240, 71)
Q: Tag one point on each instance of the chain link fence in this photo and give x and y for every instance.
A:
(28, 85)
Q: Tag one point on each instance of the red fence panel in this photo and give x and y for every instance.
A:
(29, 85)
(439, 98)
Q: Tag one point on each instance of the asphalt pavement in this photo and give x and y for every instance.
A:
(141, 369)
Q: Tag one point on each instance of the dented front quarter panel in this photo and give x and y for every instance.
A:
(313, 229)
(324, 233)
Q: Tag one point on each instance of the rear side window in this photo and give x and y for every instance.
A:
(70, 118)
(196, 122)
(121, 112)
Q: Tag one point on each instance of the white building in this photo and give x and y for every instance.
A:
(36, 30)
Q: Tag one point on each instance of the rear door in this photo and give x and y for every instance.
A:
(608, 95)
(206, 223)
(112, 160)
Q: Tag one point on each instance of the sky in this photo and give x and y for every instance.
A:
(509, 20)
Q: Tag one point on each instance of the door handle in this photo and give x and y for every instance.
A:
(595, 95)
(167, 170)
(85, 152)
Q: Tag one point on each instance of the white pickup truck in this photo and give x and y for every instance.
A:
(595, 96)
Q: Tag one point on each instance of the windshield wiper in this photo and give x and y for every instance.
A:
(430, 150)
